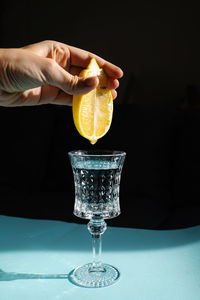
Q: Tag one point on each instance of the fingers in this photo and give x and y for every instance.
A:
(73, 59)
(78, 57)
(81, 58)
(38, 96)
(59, 59)
(114, 94)
(53, 95)
(26, 98)
(74, 85)
(62, 99)
(55, 75)
(112, 84)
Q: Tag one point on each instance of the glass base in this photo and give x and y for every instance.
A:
(83, 276)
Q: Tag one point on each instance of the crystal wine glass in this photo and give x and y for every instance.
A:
(97, 176)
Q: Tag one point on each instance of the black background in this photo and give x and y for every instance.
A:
(156, 115)
(156, 43)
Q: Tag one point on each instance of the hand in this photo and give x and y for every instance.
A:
(47, 72)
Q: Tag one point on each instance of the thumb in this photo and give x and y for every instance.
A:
(74, 85)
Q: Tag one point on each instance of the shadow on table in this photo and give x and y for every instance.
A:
(144, 240)
(22, 234)
(10, 276)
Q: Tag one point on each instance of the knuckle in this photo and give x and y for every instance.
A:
(73, 82)
(61, 55)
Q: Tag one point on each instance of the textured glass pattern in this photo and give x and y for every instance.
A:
(95, 279)
(97, 181)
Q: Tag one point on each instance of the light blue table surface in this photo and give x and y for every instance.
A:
(36, 257)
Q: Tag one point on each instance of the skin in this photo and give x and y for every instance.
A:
(47, 72)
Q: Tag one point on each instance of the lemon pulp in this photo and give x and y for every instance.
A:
(92, 112)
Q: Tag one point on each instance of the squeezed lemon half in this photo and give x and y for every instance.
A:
(92, 112)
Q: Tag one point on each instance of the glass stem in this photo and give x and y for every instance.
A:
(97, 227)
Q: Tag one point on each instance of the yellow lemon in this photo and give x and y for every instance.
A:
(92, 112)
